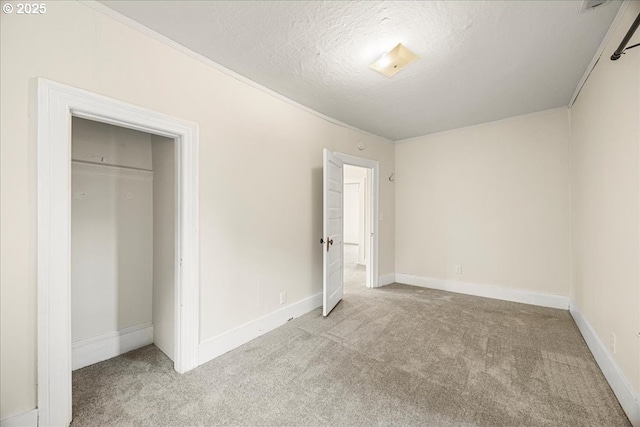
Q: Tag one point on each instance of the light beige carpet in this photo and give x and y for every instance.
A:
(398, 355)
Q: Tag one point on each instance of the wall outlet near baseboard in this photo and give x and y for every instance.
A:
(458, 269)
(612, 343)
(283, 297)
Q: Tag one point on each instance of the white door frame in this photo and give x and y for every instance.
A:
(56, 105)
(374, 195)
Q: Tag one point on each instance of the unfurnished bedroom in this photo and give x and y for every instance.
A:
(323, 213)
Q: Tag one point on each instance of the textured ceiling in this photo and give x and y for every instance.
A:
(480, 60)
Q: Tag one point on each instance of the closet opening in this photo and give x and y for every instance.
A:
(58, 105)
(123, 242)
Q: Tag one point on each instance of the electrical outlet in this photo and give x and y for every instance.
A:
(458, 269)
(283, 297)
(613, 343)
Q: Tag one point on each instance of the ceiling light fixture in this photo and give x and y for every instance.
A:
(394, 61)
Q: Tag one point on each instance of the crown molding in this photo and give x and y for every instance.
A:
(135, 25)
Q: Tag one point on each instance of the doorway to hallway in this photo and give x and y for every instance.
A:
(356, 226)
(333, 283)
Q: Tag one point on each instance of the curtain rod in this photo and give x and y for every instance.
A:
(618, 53)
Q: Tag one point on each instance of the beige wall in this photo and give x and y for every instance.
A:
(110, 145)
(492, 198)
(605, 136)
(260, 163)
(354, 173)
(164, 221)
(355, 210)
(111, 230)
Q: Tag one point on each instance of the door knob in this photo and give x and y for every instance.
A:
(329, 242)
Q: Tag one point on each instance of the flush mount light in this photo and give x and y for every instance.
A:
(393, 61)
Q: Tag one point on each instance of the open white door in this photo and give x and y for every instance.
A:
(333, 211)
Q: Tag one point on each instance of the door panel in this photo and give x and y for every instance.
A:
(333, 212)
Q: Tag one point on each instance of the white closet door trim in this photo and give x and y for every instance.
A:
(56, 105)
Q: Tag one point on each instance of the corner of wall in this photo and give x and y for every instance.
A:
(621, 387)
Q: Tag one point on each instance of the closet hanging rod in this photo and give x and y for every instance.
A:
(623, 45)
(88, 162)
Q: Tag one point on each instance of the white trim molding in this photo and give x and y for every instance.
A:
(25, 419)
(386, 279)
(111, 344)
(487, 291)
(620, 385)
(135, 25)
(56, 105)
(217, 346)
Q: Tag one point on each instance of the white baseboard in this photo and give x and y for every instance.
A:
(216, 346)
(112, 344)
(487, 291)
(621, 387)
(25, 419)
(386, 279)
